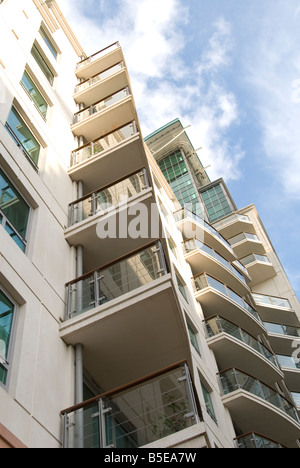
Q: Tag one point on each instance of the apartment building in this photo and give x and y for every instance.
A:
(126, 319)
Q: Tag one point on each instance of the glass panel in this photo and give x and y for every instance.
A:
(13, 206)
(42, 64)
(35, 94)
(49, 43)
(193, 338)
(6, 319)
(23, 135)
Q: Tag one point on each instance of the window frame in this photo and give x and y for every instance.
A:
(49, 41)
(37, 48)
(6, 221)
(38, 89)
(10, 349)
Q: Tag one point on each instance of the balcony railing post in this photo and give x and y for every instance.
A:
(162, 261)
(191, 396)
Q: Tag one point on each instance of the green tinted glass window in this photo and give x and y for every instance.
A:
(42, 64)
(6, 321)
(34, 93)
(23, 136)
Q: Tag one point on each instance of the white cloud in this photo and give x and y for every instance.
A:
(168, 80)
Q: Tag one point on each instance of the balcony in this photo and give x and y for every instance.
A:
(131, 304)
(214, 295)
(245, 244)
(256, 407)
(276, 309)
(191, 225)
(202, 257)
(234, 224)
(256, 441)
(99, 61)
(104, 83)
(138, 414)
(291, 369)
(259, 267)
(112, 112)
(233, 346)
(282, 337)
(121, 152)
(111, 209)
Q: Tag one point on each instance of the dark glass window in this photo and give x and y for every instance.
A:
(49, 42)
(42, 64)
(6, 322)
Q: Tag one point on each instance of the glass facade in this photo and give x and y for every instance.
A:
(14, 212)
(217, 203)
(23, 136)
(6, 322)
(177, 175)
(34, 93)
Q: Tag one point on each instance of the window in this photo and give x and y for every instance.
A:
(42, 64)
(14, 212)
(49, 42)
(34, 93)
(181, 288)
(23, 136)
(217, 203)
(193, 337)
(7, 311)
(208, 402)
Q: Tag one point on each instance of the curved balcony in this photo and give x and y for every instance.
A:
(191, 225)
(291, 369)
(234, 224)
(214, 295)
(202, 257)
(255, 407)
(259, 267)
(233, 346)
(104, 83)
(119, 152)
(256, 441)
(99, 61)
(245, 244)
(282, 337)
(112, 112)
(275, 309)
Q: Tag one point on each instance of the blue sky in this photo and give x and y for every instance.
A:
(231, 70)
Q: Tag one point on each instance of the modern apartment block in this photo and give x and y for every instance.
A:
(138, 306)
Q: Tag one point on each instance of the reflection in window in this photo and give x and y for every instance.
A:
(14, 212)
(23, 136)
(42, 64)
(6, 321)
(48, 42)
(34, 93)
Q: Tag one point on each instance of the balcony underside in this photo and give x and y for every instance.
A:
(100, 64)
(230, 351)
(292, 378)
(213, 302)
(125, 158)
(99, 90)
(252, 414)
(282, 344)
(247, 247)
(275, 314)
(120, 222)
(200, 262)
(107, 120)
(260, 272)
(134, 335)
(235, 227)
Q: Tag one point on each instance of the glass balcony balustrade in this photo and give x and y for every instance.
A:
(255, 258)
(243, 236)
(256, 441)
(103, 143)
(203, 281)
(288, 362)
(99, 77)
(284, 330)
(231, 219)
(218, 325)
(272, 301)
(233, 379)
(195, 244)
(98, 55)
(98, 107)
(140, 414)
(110, 196)
(113, 281)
